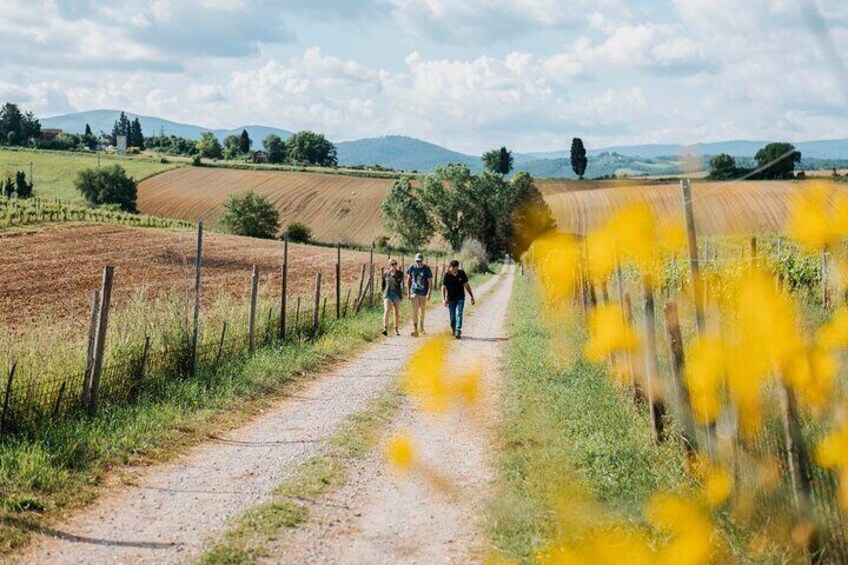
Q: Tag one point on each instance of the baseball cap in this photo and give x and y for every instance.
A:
(419, 256)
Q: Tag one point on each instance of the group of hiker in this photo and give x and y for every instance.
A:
(417, 285)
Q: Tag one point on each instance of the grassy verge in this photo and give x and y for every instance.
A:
(251, 535)
(61, 466)
(565, 429)
(54, 171)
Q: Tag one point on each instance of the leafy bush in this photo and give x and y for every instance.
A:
(799, 271)
(108, 185)
(195, 161)
(473, 257)
(251, 215)
(299, 233)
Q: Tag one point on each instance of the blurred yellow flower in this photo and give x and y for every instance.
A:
(690, 527)
(424, 378)
(400, 453)
(818, 216)
(704, 375)
(834, 334)
(718, 485)
(556, 259)
(812, 374)
(832, 453)
(609, 333)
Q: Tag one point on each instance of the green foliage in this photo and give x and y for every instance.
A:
(298, 232)
(232, 147)
(473, 257)
(16, 127)
(135, 137)
(498, 161)
(777, 160)
(122, 127)
(311, 148)
(173, 145)
(800, 271)
(405, 214)
(208, 146)
(723, 167)
(450, 198)
(275, 147)
(108, 185)
(530, 216)
(245, 142)
(251, 215)
(579, 161)
(23, 189)
(195, 161)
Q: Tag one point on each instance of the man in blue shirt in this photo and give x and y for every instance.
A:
(419, 282)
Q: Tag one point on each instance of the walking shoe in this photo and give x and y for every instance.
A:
(385, 332)
(397, 331)
(414, 333)
(458, 334)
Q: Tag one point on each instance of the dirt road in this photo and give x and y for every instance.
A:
(173, 510)
(382, 516)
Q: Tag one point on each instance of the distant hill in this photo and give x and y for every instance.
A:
(103, 120)
(401, 153)
(410, 154)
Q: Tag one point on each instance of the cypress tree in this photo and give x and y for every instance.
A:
(579, 161)
(244, 142)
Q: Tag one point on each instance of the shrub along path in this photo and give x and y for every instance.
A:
(171, 511)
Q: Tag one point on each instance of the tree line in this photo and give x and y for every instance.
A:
(774, 161)
(19, 188)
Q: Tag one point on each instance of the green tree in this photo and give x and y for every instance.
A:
(530, 215)
(208, 146)
(22, 188)
(579, 161)
(108, 185)
(88, 130)
(298, 232)
(311, 148)
(723, 167)
(122, 126)
(232, 147)
(406, 215)
(275, 148)
(88, 138)
(16, 127)
(498, 161)
(777, 160)
(245, 142)
(251, 215)
(450, 196)
(136, 137)
(8, 187)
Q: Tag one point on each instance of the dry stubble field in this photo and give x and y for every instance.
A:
(49, 274)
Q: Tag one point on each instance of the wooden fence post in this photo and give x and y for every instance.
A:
(655, 406)
(347, 299)
(100, 341)
(694, 265)
(284, 287)
(58, 404)
(251, 321)
(678, 362)
(7, 399)
(316, 311)
(754, 254)
(296, 329)
(89, 356)
(339, 281)
(221, 344)
(361, 289)
(197, 268)
(372, 275)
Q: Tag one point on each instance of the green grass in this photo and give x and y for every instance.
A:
(61, 465)
(566, 429)
(54, 171)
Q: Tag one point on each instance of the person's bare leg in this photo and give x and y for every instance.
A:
(386, 305)
(397, 317)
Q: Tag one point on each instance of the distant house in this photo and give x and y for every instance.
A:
(260, 157)
(49, 134)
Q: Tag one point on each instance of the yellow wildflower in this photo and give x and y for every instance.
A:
(608, 333)
(400, 452)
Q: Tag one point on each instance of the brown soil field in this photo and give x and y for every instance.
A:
(50, 273)
(720, 208)
(335, 207)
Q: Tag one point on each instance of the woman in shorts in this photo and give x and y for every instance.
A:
(392, 286)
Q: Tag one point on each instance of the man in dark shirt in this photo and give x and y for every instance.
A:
(454, 286)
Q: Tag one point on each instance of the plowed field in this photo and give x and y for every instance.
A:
(335, 207)
(50, 274)
(720, 208)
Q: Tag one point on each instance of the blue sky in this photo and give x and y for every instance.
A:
(468, 74)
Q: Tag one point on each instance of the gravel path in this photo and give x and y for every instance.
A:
(380, 516)
(171, 511)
